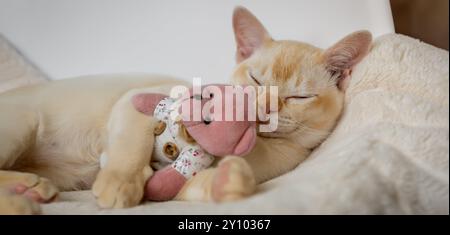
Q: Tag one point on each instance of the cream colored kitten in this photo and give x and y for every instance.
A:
(51, 135)
(57, 131)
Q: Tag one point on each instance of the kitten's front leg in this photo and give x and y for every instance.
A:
(130, 143)
(232, 179)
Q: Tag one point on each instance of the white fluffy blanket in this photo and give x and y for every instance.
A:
(389, 153)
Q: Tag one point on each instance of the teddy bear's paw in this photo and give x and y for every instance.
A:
(11, 204)
(233, 180)
(115, 189)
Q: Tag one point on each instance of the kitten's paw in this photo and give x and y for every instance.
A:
(11, 204)
(114, 189)
(233, 180)
(32, 186)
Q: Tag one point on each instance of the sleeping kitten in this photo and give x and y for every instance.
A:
(311, 84)
(51, 135)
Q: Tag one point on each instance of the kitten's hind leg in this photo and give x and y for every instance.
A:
(32, 186)
(11, 204)
(18, 129)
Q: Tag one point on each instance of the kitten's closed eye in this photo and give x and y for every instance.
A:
(301, 97)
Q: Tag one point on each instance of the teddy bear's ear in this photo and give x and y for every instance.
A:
(146, 102)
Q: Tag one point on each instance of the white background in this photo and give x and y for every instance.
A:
(184, 38)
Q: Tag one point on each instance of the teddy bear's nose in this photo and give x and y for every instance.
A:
(207, 120)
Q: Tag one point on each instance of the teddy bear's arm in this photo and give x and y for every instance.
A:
(191, 161)
(166, 183)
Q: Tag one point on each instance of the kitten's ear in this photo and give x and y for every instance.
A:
(249, 33)
(344, 55)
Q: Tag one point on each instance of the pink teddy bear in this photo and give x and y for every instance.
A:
(184, 146)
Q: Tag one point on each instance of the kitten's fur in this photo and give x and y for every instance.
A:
(58, 130)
